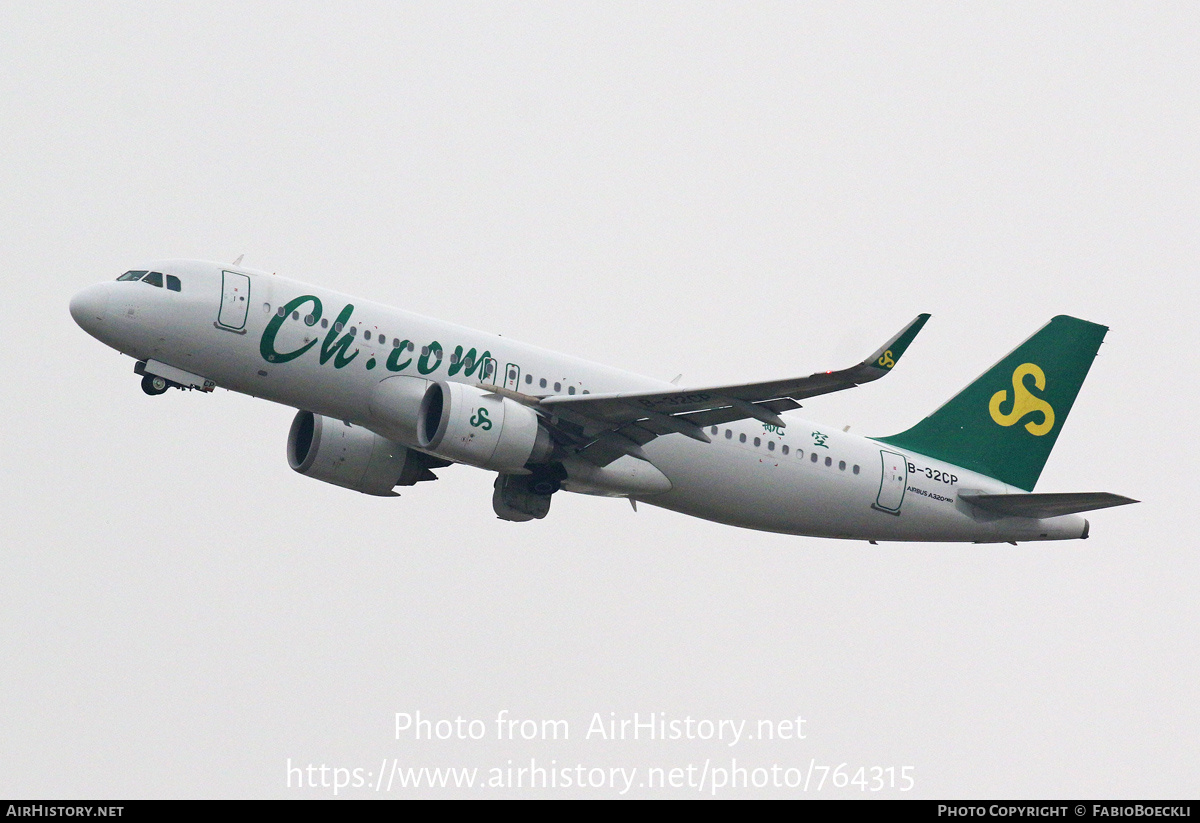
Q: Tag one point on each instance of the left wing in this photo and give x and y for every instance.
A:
(602, 427)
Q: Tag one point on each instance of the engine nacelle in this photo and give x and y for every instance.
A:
(395, 403)
(469, 425)
(352, 457)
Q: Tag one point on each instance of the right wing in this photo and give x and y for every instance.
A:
(602, 427)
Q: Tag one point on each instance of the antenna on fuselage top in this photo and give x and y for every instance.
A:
(238, 262)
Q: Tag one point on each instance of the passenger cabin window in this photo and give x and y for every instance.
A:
(173, 283)
(132, 275)
(154, 278)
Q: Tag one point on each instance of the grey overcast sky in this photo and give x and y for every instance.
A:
(732, 191)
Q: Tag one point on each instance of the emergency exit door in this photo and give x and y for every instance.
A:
(512, 376)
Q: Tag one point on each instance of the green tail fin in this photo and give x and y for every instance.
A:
(1005, 423)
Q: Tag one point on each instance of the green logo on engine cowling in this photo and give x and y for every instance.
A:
(480, 420)
(339, 344)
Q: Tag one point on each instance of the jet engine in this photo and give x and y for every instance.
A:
(351, 456)
(469, 425)
(395, 403)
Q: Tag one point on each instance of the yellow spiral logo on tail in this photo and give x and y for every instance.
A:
(1024, 402)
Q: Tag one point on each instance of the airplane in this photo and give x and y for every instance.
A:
(384, 397)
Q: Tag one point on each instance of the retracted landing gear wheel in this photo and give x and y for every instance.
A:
(152, 384)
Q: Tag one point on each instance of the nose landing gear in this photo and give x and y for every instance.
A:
(158, 377)
(153, 385)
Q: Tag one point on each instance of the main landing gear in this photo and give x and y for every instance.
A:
(524, 497)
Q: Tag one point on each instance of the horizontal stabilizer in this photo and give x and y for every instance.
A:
(1043, 505)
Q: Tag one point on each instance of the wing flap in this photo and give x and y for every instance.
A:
(715, 417)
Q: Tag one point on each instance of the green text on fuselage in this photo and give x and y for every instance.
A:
(337, 343)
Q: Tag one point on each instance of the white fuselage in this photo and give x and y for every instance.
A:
(828, 484)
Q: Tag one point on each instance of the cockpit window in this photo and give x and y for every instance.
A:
(132, 275)
(173, 282)
(154, 278)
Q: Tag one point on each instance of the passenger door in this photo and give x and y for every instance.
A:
(893, 482)
(235, 300)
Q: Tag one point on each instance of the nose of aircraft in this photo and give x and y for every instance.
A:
(90, 307)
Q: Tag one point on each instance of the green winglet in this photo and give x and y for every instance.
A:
(1005, 423)
(889, 353)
